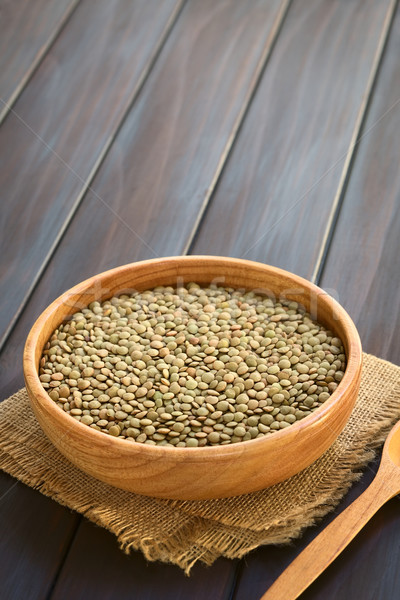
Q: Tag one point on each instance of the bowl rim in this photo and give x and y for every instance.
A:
(196, 454)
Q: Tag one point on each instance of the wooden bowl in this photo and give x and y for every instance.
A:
(211, 471)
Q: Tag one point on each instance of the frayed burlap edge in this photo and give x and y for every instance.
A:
(186, 532)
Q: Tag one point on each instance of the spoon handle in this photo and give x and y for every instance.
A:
(319, 554)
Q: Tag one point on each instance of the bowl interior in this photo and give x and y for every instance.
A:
(321, 427)
(240, 274)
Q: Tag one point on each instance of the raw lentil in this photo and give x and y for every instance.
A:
(191, 366)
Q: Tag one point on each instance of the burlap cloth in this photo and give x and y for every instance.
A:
(185, 532)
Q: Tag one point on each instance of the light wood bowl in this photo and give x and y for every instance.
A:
(211, 471)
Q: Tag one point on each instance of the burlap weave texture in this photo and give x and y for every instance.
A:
(184, 532)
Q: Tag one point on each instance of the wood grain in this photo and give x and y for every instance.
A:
(61, 127)
(27, 30)
(102, 221)
(117, 239)
(195, 473)
(274, 204)
(96, 568)
(140, 203)
(35, 535)
(323, 550)
(229, 225)
(368, 568)
(362, 270)
(146, 198)
(116, 42)
(363, 263)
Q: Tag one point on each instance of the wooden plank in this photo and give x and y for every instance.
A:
(59, 274)
(175, 137)
(229, 228)
(38, 203)
(62, 125)
(367, 569)
(38, 535)
(165, 160)
(363, 262)
(27, 30)
(362, 270)
(275, 194)
(96, 568)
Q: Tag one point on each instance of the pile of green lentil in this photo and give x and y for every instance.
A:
(191, 366)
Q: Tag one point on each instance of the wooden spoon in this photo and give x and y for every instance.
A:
(319, 554)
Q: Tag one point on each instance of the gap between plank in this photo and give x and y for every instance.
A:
(60, 567)
(89, 179)
(272, 39)
(145, 73)
(356, 138)
(251, 92)
(354, 142)
(142, 79)
(38, 60)
(252, 88)
(270, 44)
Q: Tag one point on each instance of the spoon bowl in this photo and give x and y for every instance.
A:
(391, 449)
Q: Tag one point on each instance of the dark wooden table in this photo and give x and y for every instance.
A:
(262, 129)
